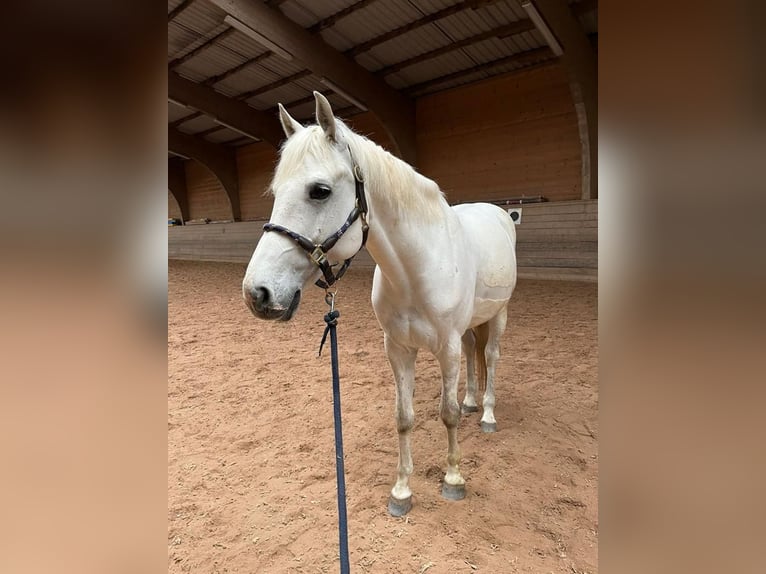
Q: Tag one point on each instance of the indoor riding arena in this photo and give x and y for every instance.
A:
(494, 100)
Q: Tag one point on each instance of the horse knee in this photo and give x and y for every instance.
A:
(405, 419)
(450, 413)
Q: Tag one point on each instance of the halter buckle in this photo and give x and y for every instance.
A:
(318, 256)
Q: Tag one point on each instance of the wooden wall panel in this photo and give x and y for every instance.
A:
(554, 241)
(505, 137)
(207, 198)
(255, 164)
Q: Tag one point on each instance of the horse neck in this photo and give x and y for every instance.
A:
(401, 240)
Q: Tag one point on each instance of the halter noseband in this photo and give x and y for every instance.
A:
(317, 252)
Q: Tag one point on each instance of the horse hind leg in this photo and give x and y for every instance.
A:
(402, 360)
(495, 330)
(469, 350)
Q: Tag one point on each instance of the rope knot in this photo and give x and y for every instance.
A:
(332, 321)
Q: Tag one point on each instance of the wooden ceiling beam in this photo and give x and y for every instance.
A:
(395, 110)
(220, 160)
(225, 110)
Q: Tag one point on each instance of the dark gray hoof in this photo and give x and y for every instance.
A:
(398, 507)
(488, 427)
(466, 409)
(453, 492)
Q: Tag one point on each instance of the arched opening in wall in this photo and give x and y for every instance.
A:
(174, 209)
(208, 200)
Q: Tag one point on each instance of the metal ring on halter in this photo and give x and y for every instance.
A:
(329, 298)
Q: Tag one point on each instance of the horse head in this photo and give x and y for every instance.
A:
(315, 196)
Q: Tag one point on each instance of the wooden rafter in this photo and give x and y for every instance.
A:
(231, 71)
(225, 110)
(332, 19)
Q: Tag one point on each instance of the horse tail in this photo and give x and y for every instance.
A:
(481, 332)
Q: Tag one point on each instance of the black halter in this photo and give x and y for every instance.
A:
(317, 252)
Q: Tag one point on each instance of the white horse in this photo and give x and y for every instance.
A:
(443, 279)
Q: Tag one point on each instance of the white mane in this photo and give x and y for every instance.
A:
(388, 178)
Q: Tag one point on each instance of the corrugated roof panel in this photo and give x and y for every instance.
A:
(178, 39)
(200, 17)
(249, 78)
(268, 100)
(189, 74)
(336, 39)
(369, 61)
(222, 136)
(242, 44)
(197, 125)
(435, 67)
(282, 67)
(465, 24)
(201, 40)
(176, 112)
(377, 18)
(209, 62)
(489, 50)
(410, 44)
(511, 8)
(307, 13)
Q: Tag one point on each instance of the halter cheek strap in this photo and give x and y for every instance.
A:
(317, 252)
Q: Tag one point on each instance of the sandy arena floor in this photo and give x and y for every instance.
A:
(251, 475)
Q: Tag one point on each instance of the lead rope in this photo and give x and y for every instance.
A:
(332, 321)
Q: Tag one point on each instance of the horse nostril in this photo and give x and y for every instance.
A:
(261, 297)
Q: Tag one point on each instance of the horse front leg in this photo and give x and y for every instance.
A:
(469, 350)
(402, 360)
(449, 360)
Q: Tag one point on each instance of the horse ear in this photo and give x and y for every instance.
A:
(325, 117)
(289, 125)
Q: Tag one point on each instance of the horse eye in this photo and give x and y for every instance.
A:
(319, 191)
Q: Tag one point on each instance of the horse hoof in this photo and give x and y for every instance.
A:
(398, 507)
(453, 491)
(488, 427)
(467, 409)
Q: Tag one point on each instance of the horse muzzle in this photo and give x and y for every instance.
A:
(261, 303)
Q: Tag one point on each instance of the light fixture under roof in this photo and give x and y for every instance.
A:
(258, 37)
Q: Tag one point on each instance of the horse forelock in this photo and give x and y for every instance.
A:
(387, 178)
